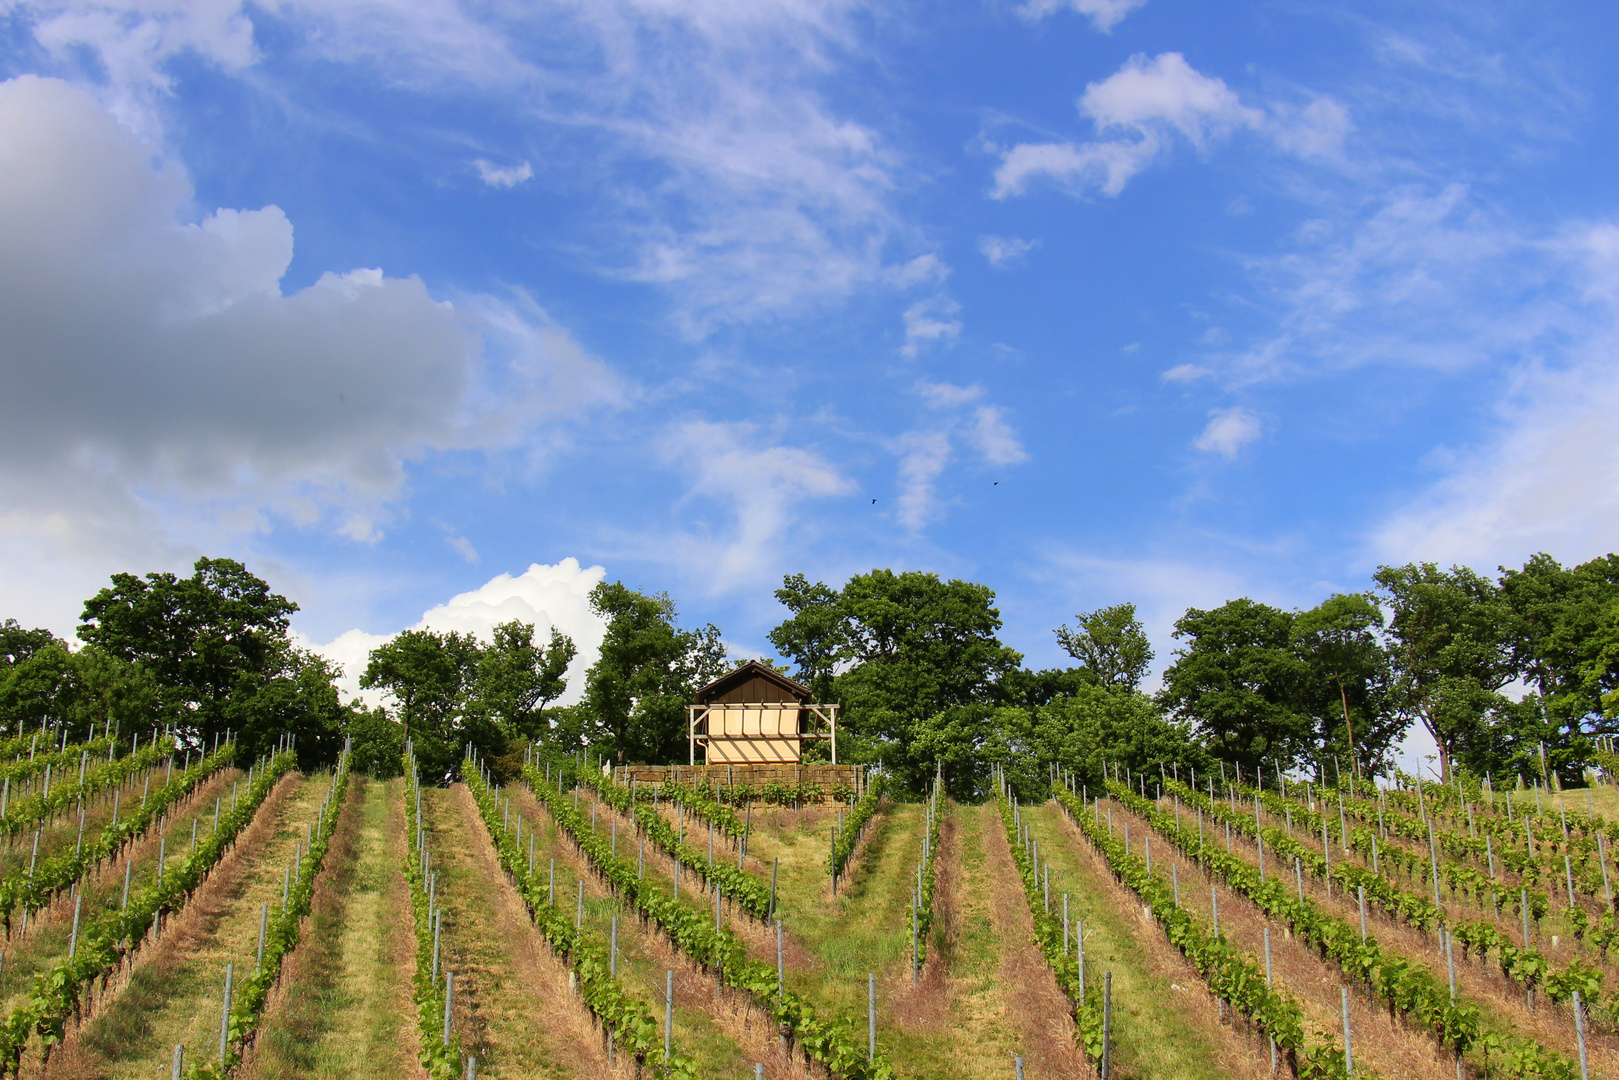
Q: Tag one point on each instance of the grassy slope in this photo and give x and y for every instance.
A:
(1165, 1023)
(46, 941)
(344, 1008)
(514, 1012)
(173, 994)
(708, 1027)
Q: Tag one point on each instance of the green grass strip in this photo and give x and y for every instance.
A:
(629, 1020)
(108, 939)
(833, 1043)
(252, 991)
(32, 891)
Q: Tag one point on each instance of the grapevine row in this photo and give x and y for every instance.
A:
(103, 944)
(694, 933)
(628, 1020)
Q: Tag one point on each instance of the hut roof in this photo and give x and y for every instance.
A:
(753, 669)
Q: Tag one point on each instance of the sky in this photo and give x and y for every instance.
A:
(436, 313)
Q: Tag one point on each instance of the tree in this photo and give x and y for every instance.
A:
(517, 679)
(910, 653)
(196, 636)
(1449, 650)
(18, 644)
(816, 636)
(1346, 689)
(1557, 625)
(429, 676)
(78, 690)
(1112, 643)
(1111, 725)
(297, 696)
(378, 741)
(649, 669)
(1238, 681)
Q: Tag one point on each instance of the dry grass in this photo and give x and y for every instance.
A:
(1386, 1045)
(173, 993)
(515, 1013)
(343, 1007)
(724, 1031)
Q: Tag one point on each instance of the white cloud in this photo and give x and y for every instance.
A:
(769, 199)
(1141, 109)
(1545, 475)
(1103, 14)
(948, 395)
(1185, 373)
(463, 547)
(926, 269)
(1004, 251)
(994, 437)
(763, 486)
(503, 177)
(924, 454)
(545, 596)
(157, 377)
(1228, 431)
(928, 321)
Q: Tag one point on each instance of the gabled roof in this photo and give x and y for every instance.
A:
(751, 670)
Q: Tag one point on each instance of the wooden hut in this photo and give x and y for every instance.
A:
(757, 716)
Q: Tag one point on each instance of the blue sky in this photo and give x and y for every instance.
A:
(1089, 300)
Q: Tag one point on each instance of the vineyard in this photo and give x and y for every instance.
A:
(171, 913)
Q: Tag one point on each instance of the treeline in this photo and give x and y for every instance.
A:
(1515, 676)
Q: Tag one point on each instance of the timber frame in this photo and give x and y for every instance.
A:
(806, 716)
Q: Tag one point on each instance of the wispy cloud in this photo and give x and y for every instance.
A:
(1103, 14)
(1005, 251)
(763, 487)
(508, 176)
(1228, 431)
(1142, 109)
(928, 322)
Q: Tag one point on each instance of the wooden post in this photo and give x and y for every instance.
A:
(871, 1018)
(224, 1016)
(1349, 1051)
(1107, 1024)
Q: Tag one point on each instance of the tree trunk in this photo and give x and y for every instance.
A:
(1354, 759)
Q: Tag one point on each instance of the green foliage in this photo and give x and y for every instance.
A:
(75, 690)
(31, 891)
(58, 994)
(649, 669)
(744, 890)
(1234, 977)
(924, 903)
(23, 814)
(1346, 687)
(1405, 987)
(1239, 679)
(854, 824)
(831, 1042)
(441, 1058)
(1449, 650)
(293, 695)
(429, 676)
(917, 653)
(252, 990)
(1111, 643)
(515, 681)
(628, 1018)
(197, 636)
(376, 741)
